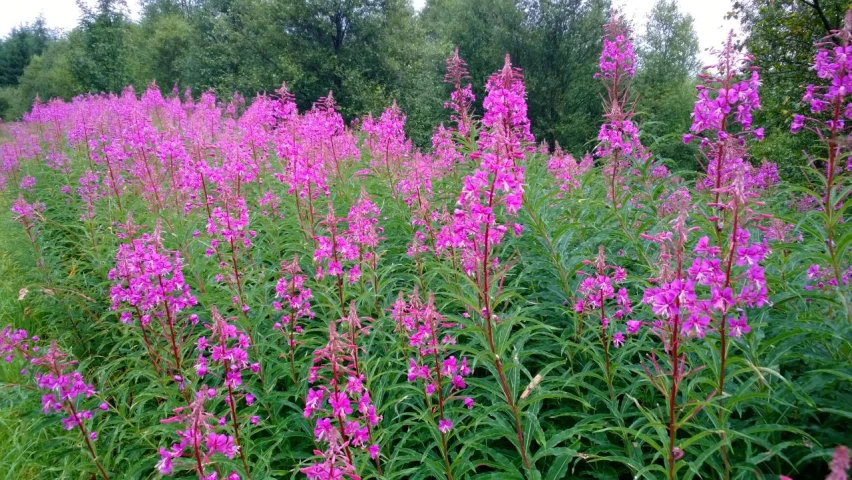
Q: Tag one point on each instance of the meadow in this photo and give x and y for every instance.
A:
(225, 288)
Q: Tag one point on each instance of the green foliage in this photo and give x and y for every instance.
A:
(780, 34)
(19, 47)
(668, 61)
(789, 380)
(101, 55)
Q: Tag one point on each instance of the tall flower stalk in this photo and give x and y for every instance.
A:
(296, 297)
(441, 373)
(619, 136)
(335, 253)
(66, 389)
(29, 215)
(596, 291)
(496, 186)
(339, 427)
(462, 96)
(722, 118)
(227, 347)
(199, 442)
(830, 107)
(150, 288)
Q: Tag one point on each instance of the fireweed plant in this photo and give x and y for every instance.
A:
(829, 109)
(190, 251)
(441, 374)
(597, 290)
(295, 304)
(728, 96)
(65, 390)
(342, 430)
(619, 143)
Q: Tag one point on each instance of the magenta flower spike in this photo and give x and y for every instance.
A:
(30, 215)
(341, 404)
(227, 350)
(723, 120)
(149, 287)
(66, 390)
(567, 171)
(200, 440)
(830, 106)
(598, 298)
(490, 199)
(295, 303)
(389, 149)
(462, 96)
(618, 139)
(441, 373)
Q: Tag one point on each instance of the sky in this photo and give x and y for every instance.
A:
(709, 20)
(58, 14)
(709, 15)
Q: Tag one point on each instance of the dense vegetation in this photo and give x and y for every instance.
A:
(218, 288)
(371, 51)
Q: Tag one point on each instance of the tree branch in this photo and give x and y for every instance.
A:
(814, 4)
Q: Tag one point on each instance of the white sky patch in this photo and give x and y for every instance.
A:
(61, 15)
(708, 16)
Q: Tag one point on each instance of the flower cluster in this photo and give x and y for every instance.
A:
(713, 286)
(820, 277)
(149, 287)
(618, 138)
(387, 144)
(89, 191)
(597, 290)
(617, 57)
(462, 96)
(67, 388)
(830, 108)
(149, 280)
(339, 426)
(839, 464)
(230, 223)
(430, 334)
(200, 440)
(335, 249)
(566, 170)
(498, 181)
(296, 299)
(17, 342)
(27, 183)
(27, 214)
(833, 65)
(363, 226)
(228, 347)
(723, 117)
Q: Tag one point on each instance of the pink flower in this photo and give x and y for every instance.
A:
(738, 326)
(839, 464)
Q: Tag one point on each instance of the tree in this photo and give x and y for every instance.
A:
(781, 34)
(101, 56)
(560, 61)
(667, 55)
(668, 51)
(21, 45)
(47, 76)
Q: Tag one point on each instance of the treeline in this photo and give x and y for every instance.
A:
(371, 52)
